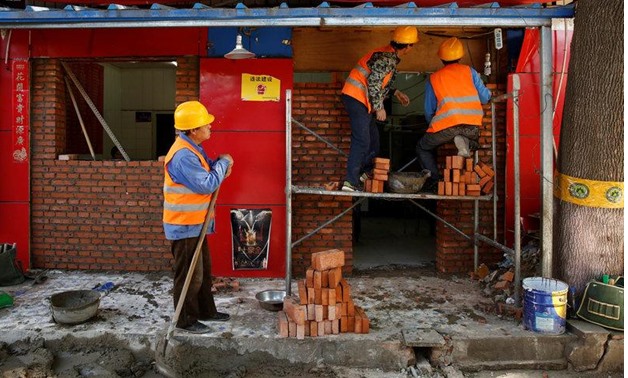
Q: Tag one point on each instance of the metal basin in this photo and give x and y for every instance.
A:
(75, 306)
(271, 300)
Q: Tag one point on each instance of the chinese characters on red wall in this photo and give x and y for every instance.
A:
(21, 109)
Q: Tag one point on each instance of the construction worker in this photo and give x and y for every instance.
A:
(453, 108)
(368, 84)
(190, 179)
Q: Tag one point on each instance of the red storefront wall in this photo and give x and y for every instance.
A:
(26, 45)
(528, 69)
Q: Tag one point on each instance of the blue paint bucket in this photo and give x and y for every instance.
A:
(545, 305)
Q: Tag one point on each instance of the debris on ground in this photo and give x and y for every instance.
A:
(498, 284)
(225, 284)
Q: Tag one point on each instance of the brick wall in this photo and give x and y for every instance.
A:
(100, 215)
(454, 253)
(106, 215)
(318, 107)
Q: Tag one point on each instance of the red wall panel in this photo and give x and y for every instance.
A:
(14, 228)
(129, 43)
(259, 171)
(253, 132)
(529, 150)
(220, 89)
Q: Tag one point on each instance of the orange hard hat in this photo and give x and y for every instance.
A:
(451, 49)
(406, 35)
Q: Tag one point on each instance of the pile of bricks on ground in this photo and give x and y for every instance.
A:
(462, 178)
(324, 305)
(380, 176)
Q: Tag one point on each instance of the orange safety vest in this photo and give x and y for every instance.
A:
(181, 205)
(458, 99)
(356, 84)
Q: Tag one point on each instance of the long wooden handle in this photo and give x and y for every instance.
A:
(197, 253)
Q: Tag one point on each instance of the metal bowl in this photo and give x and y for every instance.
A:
(74, 307)
(271, 300)
(407, 182)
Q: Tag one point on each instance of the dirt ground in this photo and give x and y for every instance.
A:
(108, 356)
(142, 303)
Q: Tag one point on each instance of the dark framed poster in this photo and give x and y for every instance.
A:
(250, 235)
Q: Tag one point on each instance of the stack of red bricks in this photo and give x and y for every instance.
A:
(462, 178)
(324, 306)
(380, 176)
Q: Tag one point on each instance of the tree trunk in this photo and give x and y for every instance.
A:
(589, 240)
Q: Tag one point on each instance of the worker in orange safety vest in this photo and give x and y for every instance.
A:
(453, 109)
(368, 84)
(190, 178)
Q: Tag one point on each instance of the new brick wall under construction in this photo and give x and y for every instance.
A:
(106, 215)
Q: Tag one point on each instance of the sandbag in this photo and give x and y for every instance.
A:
(603, 304)
(10, 269)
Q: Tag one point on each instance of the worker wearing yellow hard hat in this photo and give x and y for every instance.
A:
(368, 84)
(190, 178)
(453, 108)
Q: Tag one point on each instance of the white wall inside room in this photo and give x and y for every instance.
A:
(131, 88)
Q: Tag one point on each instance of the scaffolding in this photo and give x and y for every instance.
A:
(361, 196)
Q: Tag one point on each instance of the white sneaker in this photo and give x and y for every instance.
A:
(462, 144)
(347, 187)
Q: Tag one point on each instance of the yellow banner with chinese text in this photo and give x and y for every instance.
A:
(260, 88)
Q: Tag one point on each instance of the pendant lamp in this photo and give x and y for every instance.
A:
(239, 52)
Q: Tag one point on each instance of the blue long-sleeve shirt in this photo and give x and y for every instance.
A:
(186, 169)
(431, 103)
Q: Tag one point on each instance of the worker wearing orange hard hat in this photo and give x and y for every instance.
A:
(190, 178)
(368, 84)
(453, 108)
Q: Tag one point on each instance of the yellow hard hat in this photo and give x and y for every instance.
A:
(406, 35)
(450, 50)
(191, 115)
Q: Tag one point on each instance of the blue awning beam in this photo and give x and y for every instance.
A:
(364, 15)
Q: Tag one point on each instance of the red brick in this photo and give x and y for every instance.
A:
(318, 279)
(282, 324)
(346, 291)
(328, 259)
(324, 277)
(331, 297)
(313, 329)
(335, 275)
(302, 292)
(300, 331)
(321, 328)
(294, 310)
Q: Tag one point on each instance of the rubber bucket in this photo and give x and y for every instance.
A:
(545, 305)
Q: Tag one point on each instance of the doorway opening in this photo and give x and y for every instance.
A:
(397, 232)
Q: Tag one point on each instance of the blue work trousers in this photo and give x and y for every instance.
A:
(364, 139)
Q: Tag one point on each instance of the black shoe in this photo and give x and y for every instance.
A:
(197, 328)
(219, 317)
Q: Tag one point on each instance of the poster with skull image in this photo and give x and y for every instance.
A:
(250, 235)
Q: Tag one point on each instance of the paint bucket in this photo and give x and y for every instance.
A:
(545, 305)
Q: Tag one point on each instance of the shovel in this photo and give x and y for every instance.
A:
(160, 358)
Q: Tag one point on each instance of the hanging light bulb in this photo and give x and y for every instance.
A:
(487, 64)
(239, 52)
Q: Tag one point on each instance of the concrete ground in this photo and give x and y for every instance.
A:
(130, 326)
